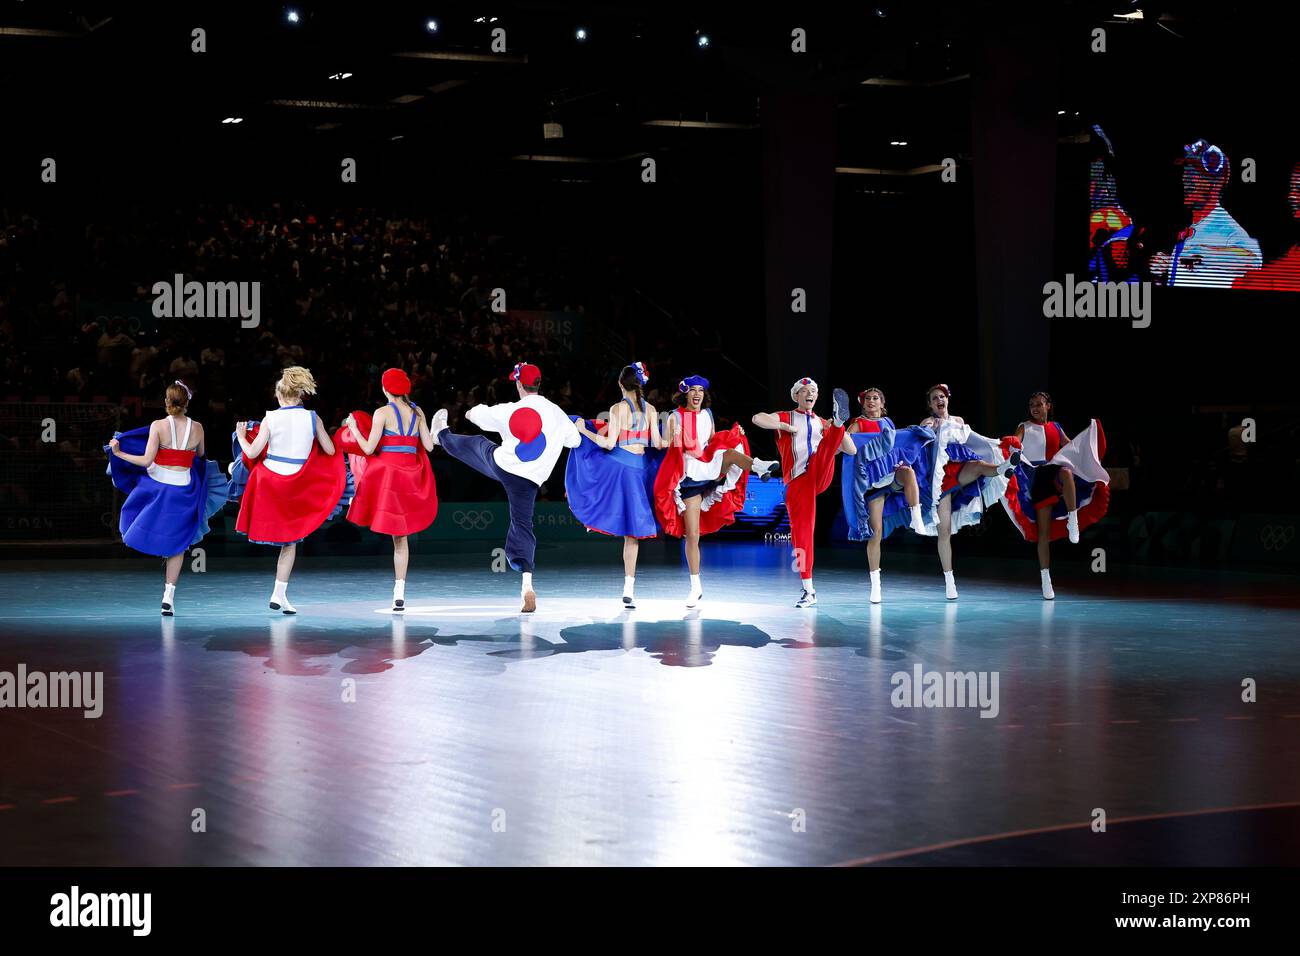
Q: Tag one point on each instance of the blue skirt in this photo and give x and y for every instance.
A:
(158, 518)
(877, 457)
(612, 491)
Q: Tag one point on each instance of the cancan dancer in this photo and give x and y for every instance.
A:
(171, 488)
(1061, 486)
(533, 431)
(967, 473)
(701, 483)
(396, 492)
(880, 485)
(807, 445)
(295, 481)
(609, 478)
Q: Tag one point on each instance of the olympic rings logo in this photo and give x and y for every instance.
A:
(472, 520)
(1276, 537)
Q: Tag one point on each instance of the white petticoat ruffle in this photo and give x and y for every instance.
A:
(992, 490)
(699, 469)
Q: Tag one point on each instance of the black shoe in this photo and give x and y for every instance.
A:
(773, 471)
(841, 399)
(167, 610)
(629, 604)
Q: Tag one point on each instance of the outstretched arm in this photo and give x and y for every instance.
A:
(368, 443)
(606, 441)
(150, 450)
(487, 418)
(255, 447)
(846, 445)
(772, 422)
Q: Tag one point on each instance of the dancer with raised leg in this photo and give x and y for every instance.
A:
(807, 445)
(609, 479)
(294, 480)
(701, 483)
(396, 492)
(1061, 485)
(880, 487)
(171, 489)
(967, 473)
(533, 431)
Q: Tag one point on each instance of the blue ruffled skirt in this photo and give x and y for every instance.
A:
(613, 491)
(158, 518)
(877, 457)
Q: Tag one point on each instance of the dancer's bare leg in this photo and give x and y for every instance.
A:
(875, 515)
(631, 548)
(907, 478)
(976, 469)
(284, 566)
(691, 519)
(401, 556)
(1044, 516)
(945, 533)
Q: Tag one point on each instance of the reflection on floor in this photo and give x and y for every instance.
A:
(747, 732)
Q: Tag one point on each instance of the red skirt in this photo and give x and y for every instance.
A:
(287, 508)
(396, 493)
(721, 512)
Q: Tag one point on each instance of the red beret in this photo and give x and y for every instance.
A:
(396, 382)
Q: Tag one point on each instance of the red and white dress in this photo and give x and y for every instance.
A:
(1036, 483)
(293, 486)
(692, 467)
(808, 467)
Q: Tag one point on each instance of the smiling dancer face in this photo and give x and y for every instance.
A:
(695, 398)
(873, 403)
(1040, 407)
(805, 398)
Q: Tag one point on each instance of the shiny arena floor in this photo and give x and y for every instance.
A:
(747, 733)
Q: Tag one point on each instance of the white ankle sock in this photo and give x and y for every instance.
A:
(528, 581)
(695, 583)
(628, 583)
(808, 585)
(916, 524)
(399, 590)
(281, 590)
(169, 591)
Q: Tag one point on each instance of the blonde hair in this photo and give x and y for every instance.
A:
(296, 382)
(177, 400)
